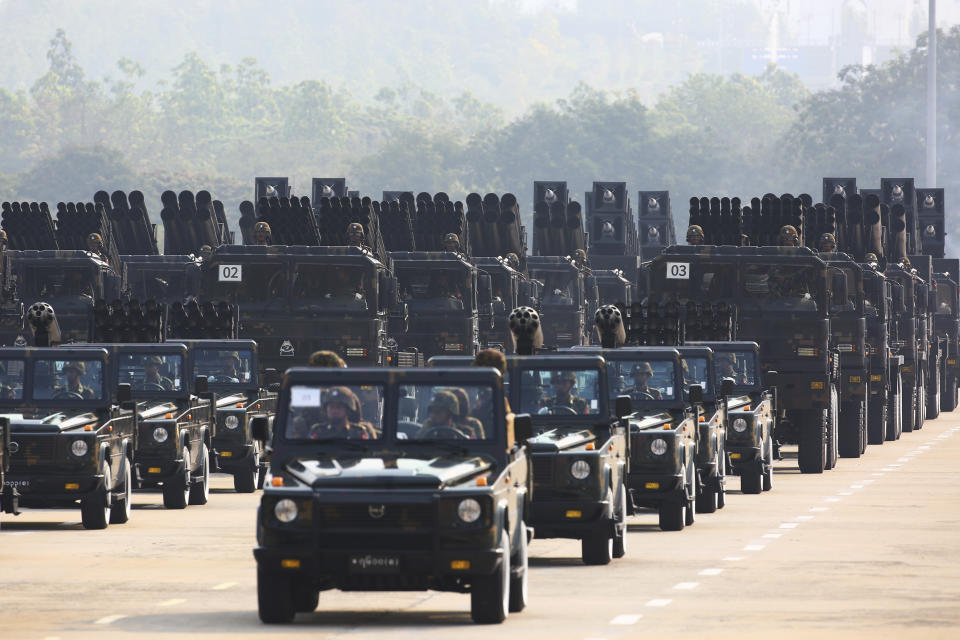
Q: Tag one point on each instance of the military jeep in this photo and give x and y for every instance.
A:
(72, 432)
(368, 501)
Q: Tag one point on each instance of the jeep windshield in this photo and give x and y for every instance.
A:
(151, 372)
(642, 379)
(560, 392)
(696, 371)
(224, 366)
(430, 412)
(68, 380)
(11, 379)
(326, 412)
(739, 365)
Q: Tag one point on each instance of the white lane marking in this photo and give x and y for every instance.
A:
(819, 509)
(878, 475)
(856, 486)
(686, 586)
(659, 602)
(755, 547)
(832, 499)
(710, 572)
(868, 481)
(772, 536)
(789, 525)
(18, 533)
(733, 559)
(109, 619)
(845, 493)
(52, 638)
(627, 618)
(804, 518)
(223, 585)
(887, 469)
(172, 602)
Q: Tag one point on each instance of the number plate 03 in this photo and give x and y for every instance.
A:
(678, 271)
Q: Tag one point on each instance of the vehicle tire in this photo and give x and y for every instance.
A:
(948, 397)
(305, 598)
(275, 603)
(851, 420)
(690, 514)
(490, 595)
(722, 494)
(620, 539)
(876, 420)
(248, 480)
(768, 473)
(707, 500)
(812, 450)
(596, 548)
(120, 509)
(672, 515)
(833, 423)
(176, 490)
(520, 574)
(894, 425)
(908, 409)
(95, 508)
(751, 482)
(200, 491)
(864, 419)
(921, 407)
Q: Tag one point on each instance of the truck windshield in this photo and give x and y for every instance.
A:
(145, 371)
(739, 365)
(247, 282)
(322, 412)
(224, 366)
(444, 412)
(946, 298)
(780, 286)
(11, 379)
(62, 280)
(158, 285)
(642, 379)
(435, 289)
(559, 287)
(341, 286)
(560, 393)
(68, 380)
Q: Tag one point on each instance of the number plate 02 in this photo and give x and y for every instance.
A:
(230, 273)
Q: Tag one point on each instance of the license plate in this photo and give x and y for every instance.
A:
(17, 484)
(371, 563)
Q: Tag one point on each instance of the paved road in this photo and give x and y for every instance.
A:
(870, 550)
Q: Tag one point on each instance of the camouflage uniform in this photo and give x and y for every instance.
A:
(573, 401)
(80, 388)
(469, 425)
(355, 234)
(163, 381)
(262, 234)
(695, 234)
(447, 400)
(644, 392)
(352, 426)
(512, 261)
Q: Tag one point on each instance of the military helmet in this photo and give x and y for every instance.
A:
(906, 261)
(444, 399)
(870, 257)
(694, 233)
(94, 238)
(206, 251)
(512, 260)
(3, 234)
(80, 367)
(827, 238)
(262, 228)
(788, 233)
(347, 398)
(451, 238)
(154, 359)
(569, 376)
(326, 359)
(491, 358)
(580, 255)
(641, 367)
(354, 229)
(463, 401)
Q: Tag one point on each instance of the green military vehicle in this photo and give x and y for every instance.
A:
(230, 369)
(72, 432)
(359, 504)
(946, 323)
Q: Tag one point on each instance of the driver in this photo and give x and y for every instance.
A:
(641, 374)
(463, 420)
(6, 391)
(726, 369)
(444, 408)
(73, 371)
(151, 373)
(230, 366)
(565, 395)
(340, 417)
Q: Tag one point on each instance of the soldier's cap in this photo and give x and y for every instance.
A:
(326, 359)
(694, 230)
(443, 399)
(641, 367)
(154, 359)
(491, 358)
(827, 237)
(463, 399)
(3, 234)
(344, 396)
(789, 230)
(206, 247)
(569, 376)
(451, 237)
(355, 227)
(80, 367)
(94, 237)
(870, 257)
(262, 226)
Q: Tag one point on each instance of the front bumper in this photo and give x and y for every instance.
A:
(40, 491)
(232, 455)
(650, 490)
(570, 518)
(153, 468)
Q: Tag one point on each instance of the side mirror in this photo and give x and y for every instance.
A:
(201, 385)
(623, 406)
(522, 427)
(770, 378)
(695, 394)
(726, 387)
(260, 428)
(124, 393)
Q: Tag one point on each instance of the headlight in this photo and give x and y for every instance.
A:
(580, 469)
(79, 448)
(658, 447)
(739, 425)
(231, 422)
(285, 510)
(160, 434)
(469, 510)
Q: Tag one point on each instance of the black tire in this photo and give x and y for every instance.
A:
(95, 508)
(690, 514)
(672, 515)
(490, 595)
(863, 424)
(620, 515)
(200, 491)
(768, 471)
(833, 422)
(894, 425)
(751, 482)
(520, 574)
(948, 397)
(876, 420)
(812, 450)
(305, 598)
(176, 490)
(908, 410)
(248, 480)
(920, 407)
(275, 603)
(596, 548)
(707, 500)
(851, 421)
(120, 509)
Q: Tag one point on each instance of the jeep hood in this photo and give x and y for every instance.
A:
(433, 473)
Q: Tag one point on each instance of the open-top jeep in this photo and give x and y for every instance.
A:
(750, 413)
(578, 453)
(360, 500)
(230, 368)
(72, 432)
(175, 428)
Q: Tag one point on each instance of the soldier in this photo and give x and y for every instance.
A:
(451, 242)
(443, 408)
(580, 259)
(870, 258)
(641, 374)
(727, 369)
(262, 235)
(470, 426)
(340, 417)
(73, 371)
(788, 236)
(827, 244)
(151, 374)
(6, 391)
(206, 252)
(230, 366)
(513, 261)
(326, 359)
(95, 245)
(355, 235)
(565, 395)
(3, 240)
(695, 235)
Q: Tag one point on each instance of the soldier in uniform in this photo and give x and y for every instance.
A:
(726, 369)
(262, 235)
(463, 421)
(326, 359)
(151, 373)
(513, 261)
(340, 418)
(827, 243)
(565, 395)
(3, 240)
(695, 234)
(73, 371)
(230, 366)
(870, 258)
(580, 259)
(788, 236)
(355, 235)
(451, 242)
(443, 408)
(206, 252)
(95, 245)
(641, 374)
(6, 391)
